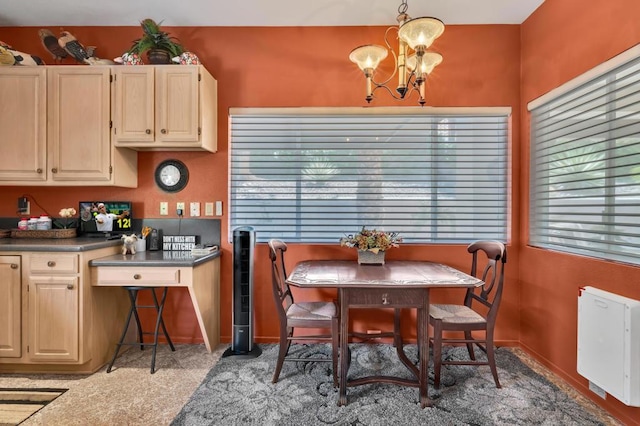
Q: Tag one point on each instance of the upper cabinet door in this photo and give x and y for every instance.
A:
(79, 123)
(134, 105)
(23, 120)
(177, 100)
(165, 108)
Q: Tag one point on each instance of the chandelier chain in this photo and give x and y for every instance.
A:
(402, 9)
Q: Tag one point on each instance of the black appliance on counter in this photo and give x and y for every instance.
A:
(154, 240)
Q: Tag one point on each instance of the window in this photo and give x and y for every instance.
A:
(585, 153)
(314, 175)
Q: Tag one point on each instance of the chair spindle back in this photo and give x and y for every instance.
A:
(490, 293)
(281, 291)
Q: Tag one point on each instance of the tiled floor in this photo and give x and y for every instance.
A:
(129, 395)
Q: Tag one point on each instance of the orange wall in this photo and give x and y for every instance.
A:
(300, 66)
(483, 66)
(561, 40)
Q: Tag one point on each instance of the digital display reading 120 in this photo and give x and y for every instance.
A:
(105, 216)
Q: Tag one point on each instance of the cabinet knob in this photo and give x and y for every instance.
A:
(148, 131)
(14, 266)
(51, 263)
(137, 277)
(54, 170)
(70, 286)
(39, 170)
(163, 131)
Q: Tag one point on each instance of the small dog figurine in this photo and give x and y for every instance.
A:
(129, 244)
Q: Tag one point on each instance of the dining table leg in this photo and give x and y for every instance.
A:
(344, 346)
(423, 339)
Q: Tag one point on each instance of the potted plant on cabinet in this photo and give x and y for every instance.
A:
(159, 45)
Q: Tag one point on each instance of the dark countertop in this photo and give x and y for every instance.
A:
(146, 258)
(54, 245)
(155, 258)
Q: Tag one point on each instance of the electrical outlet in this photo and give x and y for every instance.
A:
(164, 208)
(194, 209)
(208, 209)
(180, 209)
(24, 206)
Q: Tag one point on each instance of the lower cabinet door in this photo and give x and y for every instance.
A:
(53, 319)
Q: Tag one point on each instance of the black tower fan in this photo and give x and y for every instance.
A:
(242, 344)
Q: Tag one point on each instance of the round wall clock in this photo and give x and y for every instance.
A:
(172, 175)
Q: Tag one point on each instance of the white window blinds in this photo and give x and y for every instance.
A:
(585, 163)
(313, 176)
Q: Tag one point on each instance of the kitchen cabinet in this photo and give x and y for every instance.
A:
(10, 306)
(164, 107)
(59, 129)
(59, 323)
(23, 120)
(53, 315)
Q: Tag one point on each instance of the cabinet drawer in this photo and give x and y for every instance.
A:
(386, 297)
(54, 264)
(146, 276)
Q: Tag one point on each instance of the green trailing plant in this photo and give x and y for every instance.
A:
(155, 38)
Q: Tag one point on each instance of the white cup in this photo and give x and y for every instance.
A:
(141, 245)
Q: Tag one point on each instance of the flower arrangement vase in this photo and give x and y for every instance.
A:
(367, 257)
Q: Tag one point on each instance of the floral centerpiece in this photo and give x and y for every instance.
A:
(371, 244)
(66, 220)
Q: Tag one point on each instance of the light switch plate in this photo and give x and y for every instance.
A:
(218, 208)
(164, 208)
(195, 209)
(208, 209)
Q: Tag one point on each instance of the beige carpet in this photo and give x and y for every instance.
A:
(129, 395)
(16, 405)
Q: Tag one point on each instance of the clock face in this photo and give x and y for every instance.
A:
(172, 175)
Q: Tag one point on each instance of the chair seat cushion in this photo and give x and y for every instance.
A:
(458, 314)
(312, 311)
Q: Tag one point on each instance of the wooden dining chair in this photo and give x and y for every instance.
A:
(476, 318)
(294, 315)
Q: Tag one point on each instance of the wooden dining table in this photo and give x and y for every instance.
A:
(397, 284)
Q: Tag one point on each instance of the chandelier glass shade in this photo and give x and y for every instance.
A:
(429, 61)
(413, 62)
(368, 56)
(420, 32)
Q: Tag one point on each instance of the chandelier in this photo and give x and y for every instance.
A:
(412, 62)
